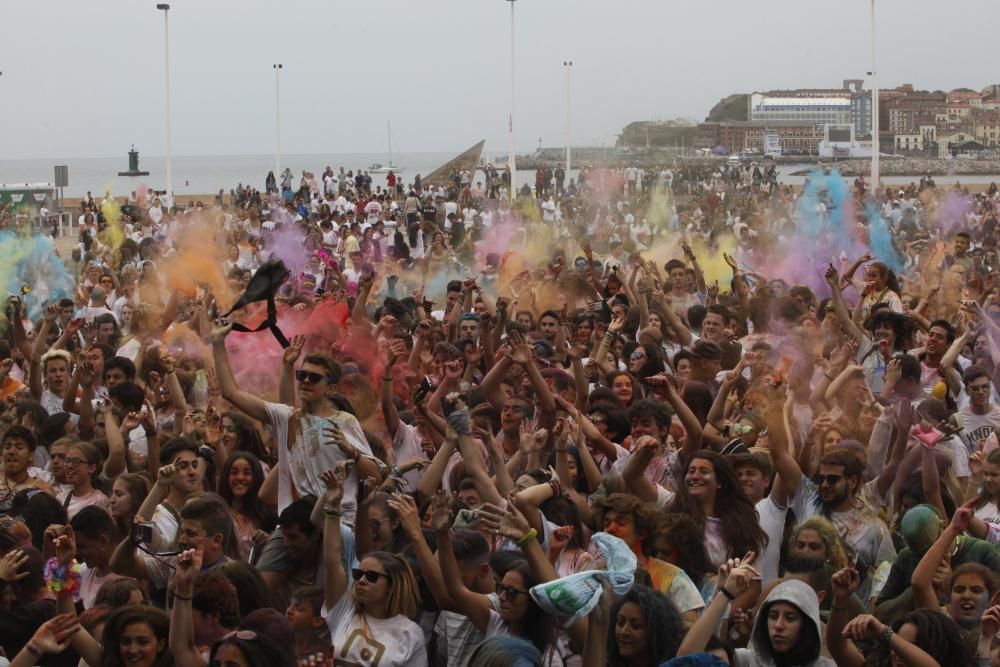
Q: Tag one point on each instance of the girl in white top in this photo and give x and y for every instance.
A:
(369, 620)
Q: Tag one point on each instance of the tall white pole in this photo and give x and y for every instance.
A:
(166, 60)
(277, 122)
(568, 64)
(510, 130)
(876, 148)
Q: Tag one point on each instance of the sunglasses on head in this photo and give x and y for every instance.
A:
(509, 592)
(829, 479)
(370, 575)
(312, 378)
(242, 635)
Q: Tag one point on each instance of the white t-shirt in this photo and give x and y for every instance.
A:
(460, 634)
(364, 641)
(771, 518)
(301, 464)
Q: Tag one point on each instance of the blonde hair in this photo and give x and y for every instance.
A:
(403, 596)
(836, 553)
(57, 354)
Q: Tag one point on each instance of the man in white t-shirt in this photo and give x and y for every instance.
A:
(309, 440)
(981, 417)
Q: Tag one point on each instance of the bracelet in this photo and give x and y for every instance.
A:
(556, 488)
(827, 376)
(181, 597)
(330, 511)
(528, 537)
(33, 649)
(62, 579)
(844, 608)
(725, 591)
(887, 635)
(385, 379)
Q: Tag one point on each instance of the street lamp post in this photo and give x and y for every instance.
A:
(510, 127)
(165, 8)
(876, 147)
(568, 65)
(277, 121)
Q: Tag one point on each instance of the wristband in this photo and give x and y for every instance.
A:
(181, 597)
(886, 636)
(332, 512)
(385, 379)
(528, 537)
(62, 579)
(725, 591)
(33, 649)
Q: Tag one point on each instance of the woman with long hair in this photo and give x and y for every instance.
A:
(239, 485)
(375, 613)
(711, 494)
(127, 494)
(238, 434)
(645, 629)
(134, 636)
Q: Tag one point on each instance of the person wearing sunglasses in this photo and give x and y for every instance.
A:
(370, 620)
(317, 438)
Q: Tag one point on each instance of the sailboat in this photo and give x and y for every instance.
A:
(378, 167)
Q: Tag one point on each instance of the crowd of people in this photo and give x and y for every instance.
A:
(357, 423)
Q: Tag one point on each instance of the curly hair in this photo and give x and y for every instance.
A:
(741, 530)
(664, 625)
(938, 635)
(687, 546)
(643, 514)
(836, 551)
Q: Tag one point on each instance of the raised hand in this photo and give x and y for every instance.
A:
(844, 583)
(737, 573)
(53, 636)
(166, 475)
(440, 513)
(832, 277)
(337, 437)
(11, 563)
(188, 566)
(864, 628)
(292, 353)
(334, 481)
(409, 516)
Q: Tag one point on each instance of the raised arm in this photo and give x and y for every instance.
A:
(248, 403)
(843, 583)
(840, 306)
(736, 575)
(286, 380)
(182, 644)
(475, 606)
(922, 580)
(634, 471)
(335, 584)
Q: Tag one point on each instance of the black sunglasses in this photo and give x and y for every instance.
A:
(370, 575)
(509, 592)
(313, 378)
(829, 479)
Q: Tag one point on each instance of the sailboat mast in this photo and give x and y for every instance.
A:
(388, 131)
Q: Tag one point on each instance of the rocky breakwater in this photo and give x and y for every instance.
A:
(912, 166)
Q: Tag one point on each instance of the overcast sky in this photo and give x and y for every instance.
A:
(85, 79)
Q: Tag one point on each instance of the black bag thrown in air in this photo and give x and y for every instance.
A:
(263, 286)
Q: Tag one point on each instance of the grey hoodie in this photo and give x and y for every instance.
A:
(802, 596)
